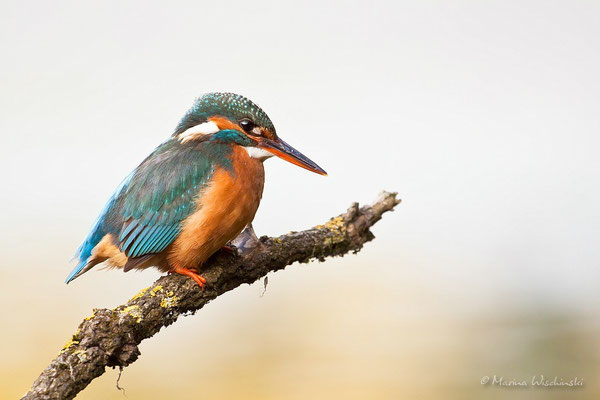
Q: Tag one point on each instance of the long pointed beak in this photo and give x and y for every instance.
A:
(286, 152)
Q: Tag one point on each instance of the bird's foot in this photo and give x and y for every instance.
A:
(246, 242)
(192, 274)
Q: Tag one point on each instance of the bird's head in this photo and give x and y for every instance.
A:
(232, 118)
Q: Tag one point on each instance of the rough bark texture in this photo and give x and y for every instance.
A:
(110, 337)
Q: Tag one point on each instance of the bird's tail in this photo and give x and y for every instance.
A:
(83, 254)
(84, 263)
(101, 227)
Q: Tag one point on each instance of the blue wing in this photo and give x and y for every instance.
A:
(146, 211)
(160, 195)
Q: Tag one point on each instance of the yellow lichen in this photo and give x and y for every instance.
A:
(134, 311)
(336, 223)
(90, 317)
(170, 300)
(139, 294)
(71, 342)
(337, 228)
(156, 290)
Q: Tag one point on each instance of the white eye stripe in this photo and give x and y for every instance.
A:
(205, 128)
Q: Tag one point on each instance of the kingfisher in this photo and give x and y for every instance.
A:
(193, 194)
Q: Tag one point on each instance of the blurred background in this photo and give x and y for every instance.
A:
(482, 115)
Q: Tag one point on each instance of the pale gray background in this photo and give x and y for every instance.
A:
(482, 115)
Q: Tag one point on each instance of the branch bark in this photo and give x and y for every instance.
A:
(110, 337)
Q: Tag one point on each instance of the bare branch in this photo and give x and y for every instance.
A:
(110, 337)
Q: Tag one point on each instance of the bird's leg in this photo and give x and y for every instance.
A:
(191, 273)
(246, 242)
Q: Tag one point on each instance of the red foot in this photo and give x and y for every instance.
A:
(192, 274)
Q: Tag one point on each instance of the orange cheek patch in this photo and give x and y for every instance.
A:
(225, 123)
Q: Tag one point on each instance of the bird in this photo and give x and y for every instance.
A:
(193, 194)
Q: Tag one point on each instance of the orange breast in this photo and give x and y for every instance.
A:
(224, 208)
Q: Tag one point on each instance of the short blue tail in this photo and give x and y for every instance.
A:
(85, 250)
(101, 227)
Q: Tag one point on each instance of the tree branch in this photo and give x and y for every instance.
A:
(110, 337)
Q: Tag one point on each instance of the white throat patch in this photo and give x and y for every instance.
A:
(258, 153)
(196, 131)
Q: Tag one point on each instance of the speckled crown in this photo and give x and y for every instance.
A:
(230, 105)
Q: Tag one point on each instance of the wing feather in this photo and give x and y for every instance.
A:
(146, 211)
(162, 193)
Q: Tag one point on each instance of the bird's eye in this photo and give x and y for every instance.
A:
(247, 125)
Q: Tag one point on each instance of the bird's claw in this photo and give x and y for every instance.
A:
(246, 242)
(200, 280)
